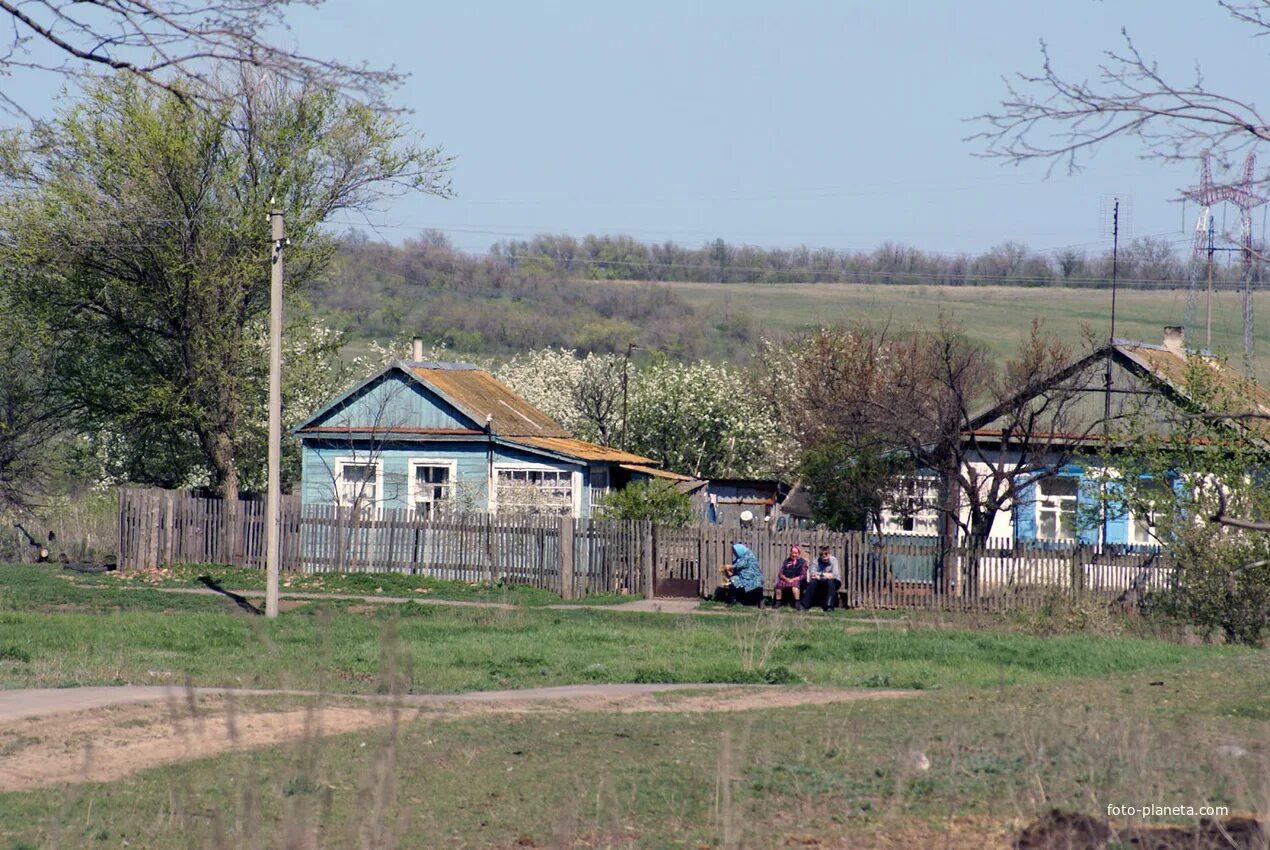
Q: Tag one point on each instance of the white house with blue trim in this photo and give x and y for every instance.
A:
(1073, 480)
(438, 438)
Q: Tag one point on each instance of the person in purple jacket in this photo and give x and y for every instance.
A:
(791, 578)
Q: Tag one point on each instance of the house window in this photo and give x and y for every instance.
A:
(535, 491)
(1142, 526)
(431, 489)
(357, 485)
(1056, 508)
(599, 484)
(914, 504)
(910, 508)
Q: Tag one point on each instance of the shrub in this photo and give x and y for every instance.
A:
(657, 500)
(1223, 585)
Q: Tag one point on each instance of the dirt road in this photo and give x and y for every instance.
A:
(54, 736)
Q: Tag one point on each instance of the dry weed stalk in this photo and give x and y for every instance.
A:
(757, 638)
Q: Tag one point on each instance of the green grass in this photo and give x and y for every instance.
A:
(840, 774)
(56, 632)
(360, 584)
(996, 316)
(1011, 723)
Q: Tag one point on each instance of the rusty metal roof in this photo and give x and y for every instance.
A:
(1237, 393)
(478, 394)
(583, 450)
(659, 473)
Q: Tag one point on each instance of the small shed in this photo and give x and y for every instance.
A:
(726, 501)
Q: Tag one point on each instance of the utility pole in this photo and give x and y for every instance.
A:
(626, 369)
(272, 500)
(1111, 341)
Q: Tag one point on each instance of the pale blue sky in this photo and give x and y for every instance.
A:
(772, 123)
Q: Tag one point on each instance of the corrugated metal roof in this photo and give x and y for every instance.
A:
(479, 394)
(1239, 394)
(583, 450)
(657, 473)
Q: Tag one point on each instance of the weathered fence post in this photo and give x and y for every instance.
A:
(647, 563)
(566, 558)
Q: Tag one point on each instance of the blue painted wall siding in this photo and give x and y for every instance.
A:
(469, 456)
(1025, 510)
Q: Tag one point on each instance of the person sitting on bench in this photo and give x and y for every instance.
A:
(825, 577)
(742, 579)
(791, 578)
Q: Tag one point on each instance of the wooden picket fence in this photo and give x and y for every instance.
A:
(569, 556)
(576, 557)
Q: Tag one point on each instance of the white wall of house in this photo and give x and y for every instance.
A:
(1047, 511)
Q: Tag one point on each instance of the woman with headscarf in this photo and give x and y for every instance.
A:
(791, 578)
(743, 577)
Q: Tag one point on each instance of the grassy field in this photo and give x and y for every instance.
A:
(362, 584)
(835, 776)
(997, 316)
(57, 632)
(1008, 723)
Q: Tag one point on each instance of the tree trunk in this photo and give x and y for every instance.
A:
(224, 466)
(976, 542)
(949, 507)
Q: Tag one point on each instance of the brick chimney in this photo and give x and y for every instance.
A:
(1175, 340)
(416, 349)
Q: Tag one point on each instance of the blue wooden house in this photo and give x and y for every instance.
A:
(440, 438)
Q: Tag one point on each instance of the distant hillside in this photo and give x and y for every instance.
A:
(996, 316)
(488, 306)
(498, 305)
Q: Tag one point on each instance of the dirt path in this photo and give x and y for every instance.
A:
(294, 598)
(56, 736)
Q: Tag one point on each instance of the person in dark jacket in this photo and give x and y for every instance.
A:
(825, 577)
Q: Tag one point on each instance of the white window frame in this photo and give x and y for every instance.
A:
(594, 494)
(378, 463)
(575, 481)
(1057, 508)
(449, 464)
(920, 494)
(1148, 523)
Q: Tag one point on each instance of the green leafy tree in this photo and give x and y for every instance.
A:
(29, 422)
(134, 232)
(657, 500)
(848, 481)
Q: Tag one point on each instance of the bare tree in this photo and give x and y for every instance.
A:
(175, 45)
(934, 403)
(1061, 117)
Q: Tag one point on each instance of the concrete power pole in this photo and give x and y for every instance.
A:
(274, 497)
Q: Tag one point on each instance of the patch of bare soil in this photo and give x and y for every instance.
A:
(1060, 830)
(108, 743)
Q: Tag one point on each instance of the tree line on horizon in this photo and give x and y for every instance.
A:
(1147, 261)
